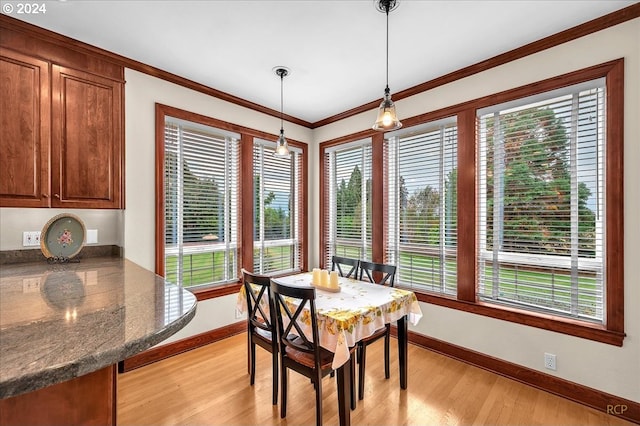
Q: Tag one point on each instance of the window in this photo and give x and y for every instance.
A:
(421, 186)
(201, 203)
(347, 203)
(211, 220)
(277, 198)
(541, 185)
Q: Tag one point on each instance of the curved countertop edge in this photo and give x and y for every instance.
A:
(88, 364)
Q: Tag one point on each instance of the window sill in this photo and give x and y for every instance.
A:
(211, 292)
(547, 322)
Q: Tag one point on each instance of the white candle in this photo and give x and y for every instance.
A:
(324, 278)
(333, 279)
(316, 276)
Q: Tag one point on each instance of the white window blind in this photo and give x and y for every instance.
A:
(277, 209)
(541, 210)
(201, 203)
(421, 192)
(348, 200)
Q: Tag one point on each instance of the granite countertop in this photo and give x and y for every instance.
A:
(62, 321)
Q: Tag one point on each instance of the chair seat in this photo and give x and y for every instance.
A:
(307, 359)
(264, 334)
(262, 338)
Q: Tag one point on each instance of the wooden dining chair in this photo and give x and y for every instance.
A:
(260, 324)
(338, 262)
(297, 351)
(386, 275)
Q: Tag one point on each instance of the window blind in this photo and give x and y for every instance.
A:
(421, 193)
(348, 201)
(201, 203)
(541, 211)
(277, 209)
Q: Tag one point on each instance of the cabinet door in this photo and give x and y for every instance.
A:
(24, 135)
(86, 140)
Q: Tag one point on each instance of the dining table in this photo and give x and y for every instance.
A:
(349, 313)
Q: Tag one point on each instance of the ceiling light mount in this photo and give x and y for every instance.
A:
(386, 6)
(281, 71)
(387, 117)
(282, 147)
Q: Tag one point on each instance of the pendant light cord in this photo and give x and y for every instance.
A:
(281, 99)
(386, 7)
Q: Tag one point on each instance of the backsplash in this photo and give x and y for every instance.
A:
(23, 256)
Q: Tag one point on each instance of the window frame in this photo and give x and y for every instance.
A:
(612, 331)
(445, 127)
(226, 163)
(365, 144)
(521, 252)
(245, 202)
(297, 209)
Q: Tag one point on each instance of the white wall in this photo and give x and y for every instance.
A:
(141, 93)
(612, 369)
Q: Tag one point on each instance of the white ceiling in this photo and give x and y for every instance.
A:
(334, 48)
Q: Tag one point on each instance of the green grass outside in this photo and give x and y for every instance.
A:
(547, 289)
(274, 259)
(208, 268)
(419, 271)
(200, 268)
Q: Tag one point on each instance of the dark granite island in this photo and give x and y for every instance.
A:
(64, 328)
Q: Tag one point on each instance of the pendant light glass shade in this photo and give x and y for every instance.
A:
(282, 147)
(387, 117)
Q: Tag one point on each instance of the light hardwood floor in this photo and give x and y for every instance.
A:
(210, 386)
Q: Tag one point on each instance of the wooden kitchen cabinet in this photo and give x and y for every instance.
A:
(25, 109)
(86, 149)
(62, 142)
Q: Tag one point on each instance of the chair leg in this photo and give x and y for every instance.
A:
(386, 355)
(362, 358)
(283, 395)
(318, 381)
(252, 362)
(274, 361)
(248, 352)
(353, 382)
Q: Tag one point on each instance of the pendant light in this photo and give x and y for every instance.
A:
(387, 117)
(282, 148)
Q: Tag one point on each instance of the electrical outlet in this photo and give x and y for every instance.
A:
(550, 361)
(92, 236)
(30, 238)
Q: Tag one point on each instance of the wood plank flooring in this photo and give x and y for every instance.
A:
(210, 386)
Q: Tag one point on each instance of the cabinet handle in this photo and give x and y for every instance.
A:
(45, 195)
(57, 196)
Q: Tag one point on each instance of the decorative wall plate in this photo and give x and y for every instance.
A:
(63, 236)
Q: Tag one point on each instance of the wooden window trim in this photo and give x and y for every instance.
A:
(245, 194)
(612, 332)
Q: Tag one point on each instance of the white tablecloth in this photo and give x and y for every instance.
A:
(359, 309)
